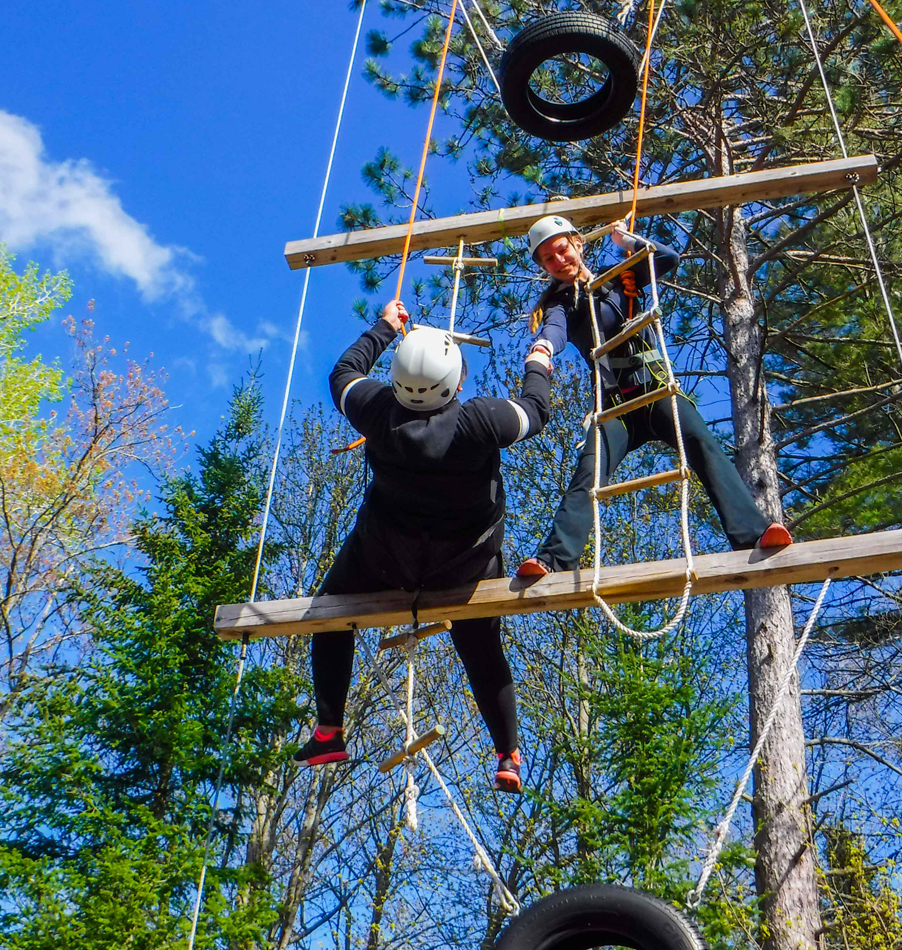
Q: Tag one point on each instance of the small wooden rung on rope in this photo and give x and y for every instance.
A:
(629, 329)
(467, 338)
(638, 484)
(436, 732)
(400, 639)
(646, 399)
(448, 259)
(597, 233)
(618, 269)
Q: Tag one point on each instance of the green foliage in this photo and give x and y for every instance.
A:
(26, 300)
(108, 770)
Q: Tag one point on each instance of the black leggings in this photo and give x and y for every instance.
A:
(478, 643)
(742, 521)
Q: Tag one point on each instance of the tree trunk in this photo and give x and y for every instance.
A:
(784, 869)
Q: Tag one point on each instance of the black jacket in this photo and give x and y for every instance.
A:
(436, 491)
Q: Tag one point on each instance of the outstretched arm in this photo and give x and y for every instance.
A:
(503, 422)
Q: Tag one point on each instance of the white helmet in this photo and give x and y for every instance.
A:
(426, 369)
(552, 225)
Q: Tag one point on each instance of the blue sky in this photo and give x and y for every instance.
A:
(164, 152)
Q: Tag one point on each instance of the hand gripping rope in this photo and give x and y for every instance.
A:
(672, 388)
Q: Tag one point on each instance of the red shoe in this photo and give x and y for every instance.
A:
(533, 567)
(507, 778)
(320, 749)
(776, 536)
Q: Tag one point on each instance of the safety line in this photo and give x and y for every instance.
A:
(858, 202)
(297, 329)
(416, 194)
(641, 133)
(233, 705)
(494, 38)
(887, 20)
(719, 837)
(269, 493)
(485, 59)
(505, 898)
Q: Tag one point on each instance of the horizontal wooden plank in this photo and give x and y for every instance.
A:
(483, 226)
(646, 399)
(639, 484)
(730, 570)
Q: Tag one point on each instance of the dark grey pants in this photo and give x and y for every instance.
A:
(742, 521)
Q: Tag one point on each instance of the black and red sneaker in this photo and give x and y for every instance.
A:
(507, 777)
(322, 748)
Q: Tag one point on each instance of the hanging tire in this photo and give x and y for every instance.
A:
(600, 915)
(569, 33)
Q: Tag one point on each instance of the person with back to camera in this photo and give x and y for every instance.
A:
(562, 315)
(433, 515)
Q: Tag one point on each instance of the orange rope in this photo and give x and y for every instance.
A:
(651, 23)
(887, 20)
(628, 280)
(416, 194)
(349, 446)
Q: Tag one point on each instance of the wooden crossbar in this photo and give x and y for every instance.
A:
(646, 399)
(594, 209)
(619, 268)
(434, 734)
(448, 260)
(638, 484)
(730, 570)
(629, 329)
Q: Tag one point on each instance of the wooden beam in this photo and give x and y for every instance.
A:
(731, 570)
(510, 222)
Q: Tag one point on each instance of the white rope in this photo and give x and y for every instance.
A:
(654, 31)
(482, 861)
(233, 703)
(412, 792)
(677, 619)
(269, 492)
(858, 202)
(297, 328)
(719, 837)
(455, 290)
(478, 8)
(485, 58)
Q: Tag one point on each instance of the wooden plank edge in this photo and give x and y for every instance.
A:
(480, 226)
(805, 562)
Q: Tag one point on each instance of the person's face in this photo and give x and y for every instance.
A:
(562, 257)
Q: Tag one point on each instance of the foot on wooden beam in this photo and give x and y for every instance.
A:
(436, 732)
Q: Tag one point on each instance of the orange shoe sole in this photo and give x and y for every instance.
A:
(532, 567)
(507, 782)
(776, 536)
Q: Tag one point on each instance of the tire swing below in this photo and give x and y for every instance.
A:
(560, 34)
(600, 915)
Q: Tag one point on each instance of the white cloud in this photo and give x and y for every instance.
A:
(72, 207)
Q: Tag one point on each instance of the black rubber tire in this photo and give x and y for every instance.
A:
(600, 915)
(569, 33)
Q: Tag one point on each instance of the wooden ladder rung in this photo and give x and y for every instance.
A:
(436, 732)
(638, 484)
(469, 338)
(448, 260)
(645, 400)
(618, 269)
(400, 639)
(629, 329)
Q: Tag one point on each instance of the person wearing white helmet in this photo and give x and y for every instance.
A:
(432, 516)
(562, 315)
